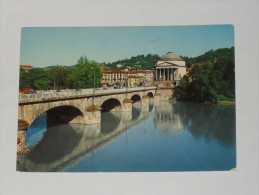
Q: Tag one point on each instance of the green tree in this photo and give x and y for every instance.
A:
(181, 90)
(85, 74)
(212, 79)
(40, 79)
(24, 79)
(60, 77)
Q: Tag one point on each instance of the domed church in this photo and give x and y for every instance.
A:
(170, 67)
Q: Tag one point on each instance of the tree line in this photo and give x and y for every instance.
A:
(140, 62)
(211, 77)
(84, 74)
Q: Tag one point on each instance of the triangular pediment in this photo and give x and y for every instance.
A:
(166, 64)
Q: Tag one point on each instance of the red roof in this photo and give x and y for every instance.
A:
(127, 72)
(26, 66)
(113, 71)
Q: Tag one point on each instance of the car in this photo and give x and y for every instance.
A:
(27, 91)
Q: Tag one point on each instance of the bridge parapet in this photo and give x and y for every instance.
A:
(83, 93)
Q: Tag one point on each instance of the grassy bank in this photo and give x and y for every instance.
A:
(226, 103)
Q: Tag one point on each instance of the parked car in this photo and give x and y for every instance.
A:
(27, 91)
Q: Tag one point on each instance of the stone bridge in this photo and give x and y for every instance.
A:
(81, 107)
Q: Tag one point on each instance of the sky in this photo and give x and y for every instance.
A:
(46, 46)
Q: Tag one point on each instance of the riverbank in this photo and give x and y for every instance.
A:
(226, 103)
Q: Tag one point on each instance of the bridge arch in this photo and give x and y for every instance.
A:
(150, 94)
(63, 114)
(61, 111)
(111, 105)
(135, 98)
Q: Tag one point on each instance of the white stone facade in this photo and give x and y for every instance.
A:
(170, 68)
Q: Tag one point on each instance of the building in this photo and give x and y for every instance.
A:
(135, 80)
(27, 68)
(170, 67)
(114, 77)
(104, 67)
(146, 75)
(127, 78)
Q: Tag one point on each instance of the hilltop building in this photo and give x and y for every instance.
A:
(170, 67)
(27, 68)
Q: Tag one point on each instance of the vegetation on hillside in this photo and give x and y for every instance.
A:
(140, 62)
(210, 56)
(211, 78)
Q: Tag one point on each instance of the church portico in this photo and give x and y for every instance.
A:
(166, 74)
(170, 67)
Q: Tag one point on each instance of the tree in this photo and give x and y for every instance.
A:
(39, 79)
(211, 79)
(181, 90)
(60, 77)
(24, 79)
(85, 74)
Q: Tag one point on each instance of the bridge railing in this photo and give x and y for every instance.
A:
(80, 93)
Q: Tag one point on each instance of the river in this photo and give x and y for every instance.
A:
(164, 136)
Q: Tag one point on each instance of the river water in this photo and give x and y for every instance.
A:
(164, 136)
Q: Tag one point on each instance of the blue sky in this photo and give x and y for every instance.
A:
(45, 46)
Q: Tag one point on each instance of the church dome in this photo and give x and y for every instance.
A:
(170, 56)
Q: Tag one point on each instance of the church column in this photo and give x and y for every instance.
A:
(168, 74)
(160, 73)
(164, 75)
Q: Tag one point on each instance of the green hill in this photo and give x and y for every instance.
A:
(140, 62)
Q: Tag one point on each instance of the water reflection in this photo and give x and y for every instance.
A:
(110, 121)
(209, 121)
(136, 110)
(202, 120)
(167, 119)
(56, 143)
(64, 145)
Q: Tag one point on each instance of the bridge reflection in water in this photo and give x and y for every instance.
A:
(65, 144)
(179, 136)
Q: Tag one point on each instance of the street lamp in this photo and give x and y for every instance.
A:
(94, 87)
(54, 80)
